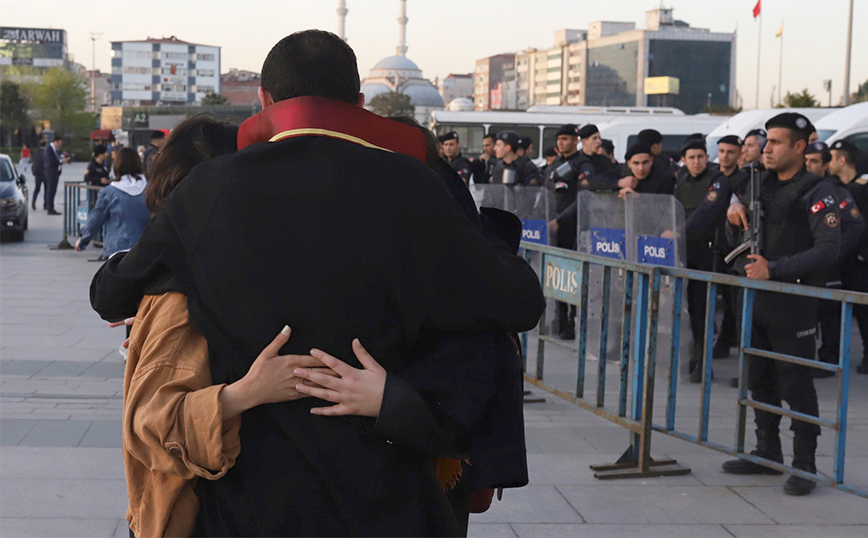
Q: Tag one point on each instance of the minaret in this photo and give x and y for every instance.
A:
(342, 19)
(402, 30)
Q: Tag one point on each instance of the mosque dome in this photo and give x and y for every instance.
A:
(397, 62)
(460, 104)
(422, 93)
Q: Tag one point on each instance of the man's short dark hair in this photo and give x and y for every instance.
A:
(311, 63)
(57, 137)
(157, 135)
(99, 149)
(491, 136)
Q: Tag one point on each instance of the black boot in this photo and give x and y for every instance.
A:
(768, 446)
(695, 366)
(804, 449)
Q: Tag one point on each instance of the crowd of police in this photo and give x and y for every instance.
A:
(778, 205)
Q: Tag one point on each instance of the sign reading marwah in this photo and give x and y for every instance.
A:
(562, 279)
(608, 242)
(535, 231)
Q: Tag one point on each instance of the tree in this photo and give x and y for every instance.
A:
(14, 103)
(800, 100)
(61, 98)
(861, 94)
(392, 104)
(212, 98)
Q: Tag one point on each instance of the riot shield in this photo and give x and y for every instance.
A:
(601, 225)
(655, 230)
(535, 206)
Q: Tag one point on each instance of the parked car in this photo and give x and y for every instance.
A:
(13, 200)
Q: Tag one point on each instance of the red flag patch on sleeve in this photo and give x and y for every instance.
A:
(819, 206)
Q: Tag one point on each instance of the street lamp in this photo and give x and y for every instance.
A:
(93, 37)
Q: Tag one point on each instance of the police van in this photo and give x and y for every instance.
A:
(539, 123)
(744, 122)
(850, 124)
(623, 131)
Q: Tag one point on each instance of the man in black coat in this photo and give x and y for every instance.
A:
(53, 162)
(368, 246)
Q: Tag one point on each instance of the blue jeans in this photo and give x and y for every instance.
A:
(39, 181)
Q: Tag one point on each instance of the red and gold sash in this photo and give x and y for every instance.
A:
(318, 116)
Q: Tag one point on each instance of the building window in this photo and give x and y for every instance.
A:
(175, 70)
(553, 94)
(203, 73)
(554, 69)
(173, 87)
(117, 70)
(136, 70)
(175, 56)
(575, 79)
(205, 57)
(554, 57)
(200, 88)
(133, 87)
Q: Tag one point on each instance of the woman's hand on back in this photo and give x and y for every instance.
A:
(270, 379)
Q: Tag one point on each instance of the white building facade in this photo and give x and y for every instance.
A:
(163, 72)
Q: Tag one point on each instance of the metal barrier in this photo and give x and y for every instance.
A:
(78, 199)
(565, 276)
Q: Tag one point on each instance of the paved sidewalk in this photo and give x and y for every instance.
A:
(61, 466)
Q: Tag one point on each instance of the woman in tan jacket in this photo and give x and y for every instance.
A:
(177, 426)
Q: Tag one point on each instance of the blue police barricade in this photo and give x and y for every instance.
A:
(655, 230)
(566, 276)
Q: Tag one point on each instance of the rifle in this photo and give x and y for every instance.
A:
(751, 239)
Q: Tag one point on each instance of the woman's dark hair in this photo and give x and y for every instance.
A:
(432, 154)
(127, 163)
(311, 62)
(191, 142)
(99, 149)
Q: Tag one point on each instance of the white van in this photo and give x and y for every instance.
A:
(850, 124)
(744, 122)
(623, 131)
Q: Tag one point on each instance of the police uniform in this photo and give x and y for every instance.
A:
(854, 265)
(664, 164)
(730, 324)
(705, 199)
(526, 173)
(800, 238)
(461, 164)
(657, 182)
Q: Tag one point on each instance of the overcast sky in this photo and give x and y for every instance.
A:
(447, 36)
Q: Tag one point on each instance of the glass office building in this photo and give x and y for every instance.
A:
(612, 75)
(30, 52)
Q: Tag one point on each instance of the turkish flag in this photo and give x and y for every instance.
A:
(756, 9)
(174, 68)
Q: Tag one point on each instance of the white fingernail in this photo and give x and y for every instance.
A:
(285, 330)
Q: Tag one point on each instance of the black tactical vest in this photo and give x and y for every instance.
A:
(691, 192)
(786, 230)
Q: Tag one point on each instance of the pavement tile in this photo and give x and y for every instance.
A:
(574, 470)
(22, 368)
(530, 504)
(489, 530)
(798, 531)
(105, 370)
(64, 369)
(62, 462)
(57, 527)
(103, 434)
(667, 505)
(54, 353)
(12, 431)
(589, 530)
(40, 498)
(824, 505)
(56, 433)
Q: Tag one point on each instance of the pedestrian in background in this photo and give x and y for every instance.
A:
(38, 169)
(158, 138)
(25, 159)
(120, 207)
(53, 161)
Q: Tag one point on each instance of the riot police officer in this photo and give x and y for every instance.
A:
(800, 238)
(728, 154)
(452, 153)
(817, 160)
(510, 168)
(854, 265)
(704, 192)
(650, 179)
(752, 149)
(654, 139)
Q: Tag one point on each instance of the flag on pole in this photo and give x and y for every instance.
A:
(780, 30)
(756, 9)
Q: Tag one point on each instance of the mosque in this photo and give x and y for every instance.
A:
(399, 73)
